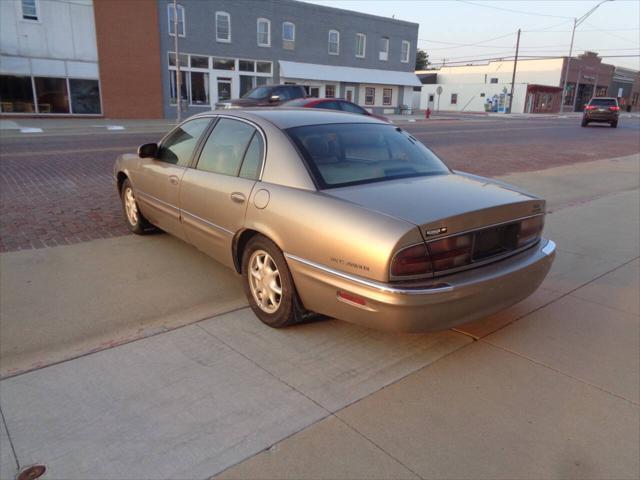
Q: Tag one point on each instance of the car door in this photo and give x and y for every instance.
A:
(157, 180)
(214, 194)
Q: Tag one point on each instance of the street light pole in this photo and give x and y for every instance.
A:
(576, 22)
(513, 77)
(178, 76)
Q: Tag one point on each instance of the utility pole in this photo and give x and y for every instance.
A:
(576, 22)
(513, 77)
(178, 76)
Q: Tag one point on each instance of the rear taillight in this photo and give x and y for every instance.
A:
(530, 230)
(590, 107)
(614, 109)
(451, 252)
(411, 261)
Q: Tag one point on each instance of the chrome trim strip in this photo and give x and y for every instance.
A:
(137, 192)
(549, 248)
(208, 223)
(513, 220)
(383, 287)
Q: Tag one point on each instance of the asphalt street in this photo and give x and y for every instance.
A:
(56, 187)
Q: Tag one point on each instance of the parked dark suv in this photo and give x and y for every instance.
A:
(265, 96)
(601, 109)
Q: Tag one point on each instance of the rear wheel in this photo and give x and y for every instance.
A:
(132, 214)
(268, 284)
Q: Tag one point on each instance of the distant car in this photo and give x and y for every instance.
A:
(338, 214)
(265, 96)
(602, 110)
(333, 104)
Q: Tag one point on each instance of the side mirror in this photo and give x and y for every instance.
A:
(148, 150)
(274, 98)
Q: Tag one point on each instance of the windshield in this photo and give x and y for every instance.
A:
(348, 154)
(257, 93)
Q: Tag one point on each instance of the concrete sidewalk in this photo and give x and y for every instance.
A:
(546, 389)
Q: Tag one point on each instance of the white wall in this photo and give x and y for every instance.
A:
(469, 96)
(64, 30)
(540, 72)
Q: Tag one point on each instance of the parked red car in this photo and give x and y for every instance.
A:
(332, 104)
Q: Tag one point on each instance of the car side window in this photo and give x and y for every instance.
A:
(328, 105)
(252, 162)
(225, 148)
(178, 147)
(296, 92)
(350, 107)
(284, 93)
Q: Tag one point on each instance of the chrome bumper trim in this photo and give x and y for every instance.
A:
(383, 287)
(549, 248)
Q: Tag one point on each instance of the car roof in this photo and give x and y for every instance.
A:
(604, 98)
(284, 118)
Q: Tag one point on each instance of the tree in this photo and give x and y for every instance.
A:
(422, 59)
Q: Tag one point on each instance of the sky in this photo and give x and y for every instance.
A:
(467, 31)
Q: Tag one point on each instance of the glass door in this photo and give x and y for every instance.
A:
(223, 88)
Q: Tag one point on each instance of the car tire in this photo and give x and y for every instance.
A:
(132, 215)
(614, 124)
(264, 273)
(584, 123)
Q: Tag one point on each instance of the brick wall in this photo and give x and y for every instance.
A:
(129, 58)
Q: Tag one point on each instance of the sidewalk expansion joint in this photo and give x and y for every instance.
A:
(13, 448)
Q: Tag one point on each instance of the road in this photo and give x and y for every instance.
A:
(56, 189)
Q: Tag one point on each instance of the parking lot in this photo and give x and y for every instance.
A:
(131, 357)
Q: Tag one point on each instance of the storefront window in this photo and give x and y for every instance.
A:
(369, 96)
(263, 67)
(183, 86)
(199, 62)
(52, 95)
(330, 91)
(246, 84)
(85, 96)
(184, 59)
(16, 94)
(224, 64)
(246, 66)
(569, 93)
(199, 88)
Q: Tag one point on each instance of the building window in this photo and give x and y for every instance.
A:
(30, 10)
(199, 88)
(171, 17)
(288, 32)
(493, 80)
(370, 96)
(223, 27)
(183, 86)
(387, 96)
(330, 91)
(224, 63)
(16, 94)
(52, 95)
(199, 62)
(264, 32)
(334, 42)
(454, 98)
(405, 52)
(384, 49)
(361, 45)
(85, 96)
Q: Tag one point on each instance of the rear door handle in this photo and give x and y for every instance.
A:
(238, 197)
(173, 179)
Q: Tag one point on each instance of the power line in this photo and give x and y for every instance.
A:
(512, 10)
(458, 45)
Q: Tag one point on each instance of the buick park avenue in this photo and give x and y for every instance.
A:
(338, 214)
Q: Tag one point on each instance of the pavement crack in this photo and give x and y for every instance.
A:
(13, 448)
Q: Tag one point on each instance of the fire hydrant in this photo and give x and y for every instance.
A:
(427, 113)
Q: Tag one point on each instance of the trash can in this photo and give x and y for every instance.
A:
(405, 110)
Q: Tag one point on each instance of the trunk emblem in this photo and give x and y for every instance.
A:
(435, 231)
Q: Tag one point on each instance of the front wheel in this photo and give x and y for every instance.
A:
(132, 214)
(268, 284)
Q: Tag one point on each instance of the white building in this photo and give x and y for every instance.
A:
(48, 57)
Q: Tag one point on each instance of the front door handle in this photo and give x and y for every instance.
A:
(173, 180)
(238, 197)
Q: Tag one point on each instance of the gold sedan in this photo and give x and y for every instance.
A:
(338, 214)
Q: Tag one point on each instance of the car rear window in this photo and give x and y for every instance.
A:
(603, 102)
(352, 153)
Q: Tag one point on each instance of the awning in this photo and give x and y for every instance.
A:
(330, 73)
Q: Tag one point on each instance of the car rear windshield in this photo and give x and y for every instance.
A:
(352, 153)
(603, 102)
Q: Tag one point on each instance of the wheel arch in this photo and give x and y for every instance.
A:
(240, 242)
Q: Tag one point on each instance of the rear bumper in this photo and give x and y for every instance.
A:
(457, 299)
(601, 116)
